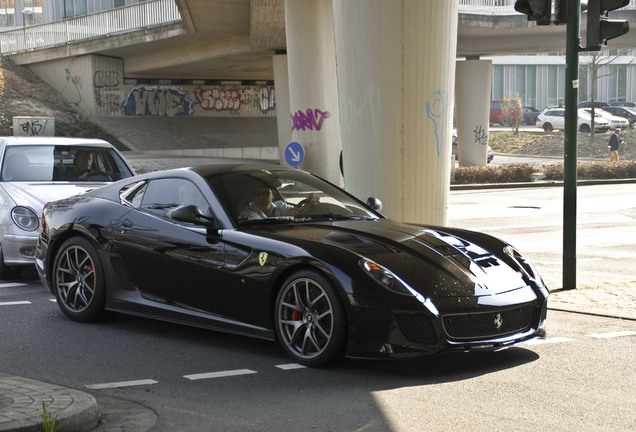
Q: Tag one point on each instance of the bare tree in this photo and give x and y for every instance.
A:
(511, 115)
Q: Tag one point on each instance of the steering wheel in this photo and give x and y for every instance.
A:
(98, 175)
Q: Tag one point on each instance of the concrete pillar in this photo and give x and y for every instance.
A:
(281, 89)
(315, 117)
(472, 111)
(396, 74)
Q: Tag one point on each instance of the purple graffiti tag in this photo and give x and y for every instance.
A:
(311, 119)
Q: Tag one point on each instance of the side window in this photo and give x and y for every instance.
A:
(162, 195)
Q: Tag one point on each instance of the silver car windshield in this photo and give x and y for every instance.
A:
(62, 163)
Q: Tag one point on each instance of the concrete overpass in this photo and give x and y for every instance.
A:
(235, 40)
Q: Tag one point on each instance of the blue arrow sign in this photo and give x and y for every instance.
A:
(294, 154)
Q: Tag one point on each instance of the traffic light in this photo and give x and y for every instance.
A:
(537, 10)
(600, 29)
(546, 12)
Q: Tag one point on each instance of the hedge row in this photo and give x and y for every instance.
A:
(520, 173)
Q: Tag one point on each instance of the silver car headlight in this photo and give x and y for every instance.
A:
(25, 218)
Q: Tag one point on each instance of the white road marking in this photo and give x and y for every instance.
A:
(53, 300)
(290, 366)
(612, 335)
(539, 341)
(11, 284)
(121, 384)
(14, 303)
(221, 374)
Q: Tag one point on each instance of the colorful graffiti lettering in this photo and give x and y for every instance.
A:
(220, 98)
(266, 99)
(311, 119)
(157, 101)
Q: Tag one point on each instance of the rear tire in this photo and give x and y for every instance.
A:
(78, 281)
(547, 127)
(585, 128)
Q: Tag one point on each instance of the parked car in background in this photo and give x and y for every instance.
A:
(490, 153)
(530, 115)
(36, 170)
(614, 121)
(325, 275)
(554, 118)
(625, 112)
(498, 110)
(623, 104)
(597, 104)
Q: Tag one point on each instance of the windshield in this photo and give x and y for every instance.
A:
(63, 163)
(283, 196)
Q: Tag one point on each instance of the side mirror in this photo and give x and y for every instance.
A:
(374, 203)
(191, 214)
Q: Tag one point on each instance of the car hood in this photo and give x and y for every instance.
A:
(430, 260)
(36, 195)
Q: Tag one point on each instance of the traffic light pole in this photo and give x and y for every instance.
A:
(571, 146)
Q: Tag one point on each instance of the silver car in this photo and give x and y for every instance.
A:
(36, 170)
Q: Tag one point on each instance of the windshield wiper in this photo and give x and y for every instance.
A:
(335, 217)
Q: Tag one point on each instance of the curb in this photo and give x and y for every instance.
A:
(21, 406)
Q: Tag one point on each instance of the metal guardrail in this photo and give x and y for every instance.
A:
(114, 21)
(497, 7)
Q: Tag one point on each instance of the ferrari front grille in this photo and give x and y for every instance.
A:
(487, 324)
(416, 328)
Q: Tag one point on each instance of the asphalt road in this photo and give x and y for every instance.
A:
(148, 375)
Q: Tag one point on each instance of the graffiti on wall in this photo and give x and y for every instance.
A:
(480, 135)
(436, 108)
(106, 90)
(157, 101)
(266, 99)
(72, 85)
(220, 98)
(33, 127)
(311, 119)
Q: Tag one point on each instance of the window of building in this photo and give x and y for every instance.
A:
(7, 13)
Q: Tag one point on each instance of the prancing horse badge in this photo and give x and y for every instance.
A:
(262, 258)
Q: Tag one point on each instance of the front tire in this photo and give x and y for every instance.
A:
(78, 281)
(310, 320)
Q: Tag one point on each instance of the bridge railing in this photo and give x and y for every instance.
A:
(114, 21)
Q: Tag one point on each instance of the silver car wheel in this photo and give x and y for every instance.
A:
(309, 320)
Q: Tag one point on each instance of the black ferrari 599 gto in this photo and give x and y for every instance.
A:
(280, 254)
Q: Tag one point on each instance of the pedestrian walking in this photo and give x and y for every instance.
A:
(614, 144)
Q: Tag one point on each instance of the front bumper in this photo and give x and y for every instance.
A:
(19, 249)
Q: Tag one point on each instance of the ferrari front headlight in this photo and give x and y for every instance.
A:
(386, 277)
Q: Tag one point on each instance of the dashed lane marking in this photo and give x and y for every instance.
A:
(612, 334)
(290, 366)
(222, 374)
(540, 341)
(11, 284)
(121, 384)
(14, 303)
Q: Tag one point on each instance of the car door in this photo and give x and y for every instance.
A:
(168, 261)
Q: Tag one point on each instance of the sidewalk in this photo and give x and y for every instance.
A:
(21, 399)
